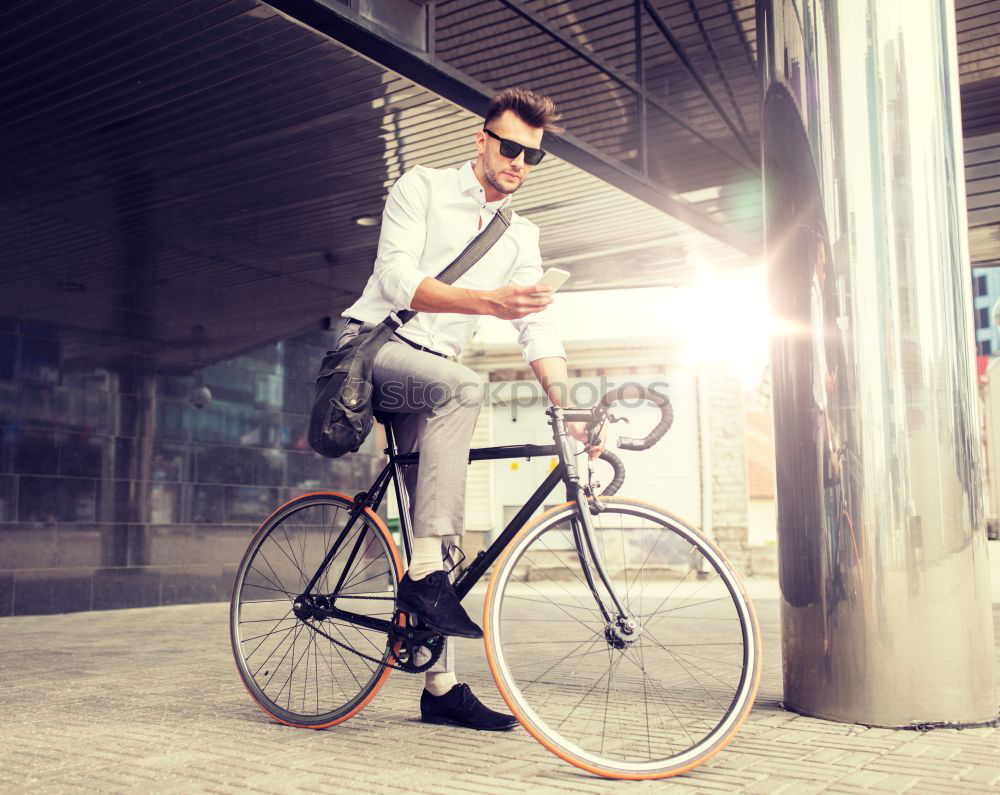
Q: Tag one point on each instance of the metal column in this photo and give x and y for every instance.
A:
(886, 615)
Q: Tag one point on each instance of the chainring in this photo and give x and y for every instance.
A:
(409, 640)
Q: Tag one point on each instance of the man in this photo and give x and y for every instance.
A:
(429, 217)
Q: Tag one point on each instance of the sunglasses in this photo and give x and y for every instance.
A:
(511, 149)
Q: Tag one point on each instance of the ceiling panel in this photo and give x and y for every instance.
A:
(180, 179)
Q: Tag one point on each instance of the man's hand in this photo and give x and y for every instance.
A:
(514, 301)
(578, 430)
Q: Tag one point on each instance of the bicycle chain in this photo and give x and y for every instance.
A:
(409, 668)
(352, 650)
(378, 598)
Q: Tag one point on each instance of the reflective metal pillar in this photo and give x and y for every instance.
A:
(886, 613)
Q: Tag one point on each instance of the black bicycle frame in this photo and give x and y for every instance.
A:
(564, 471)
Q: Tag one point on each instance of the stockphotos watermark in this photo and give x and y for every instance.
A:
(413, 393)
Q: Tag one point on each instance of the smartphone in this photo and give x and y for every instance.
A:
(554, 278)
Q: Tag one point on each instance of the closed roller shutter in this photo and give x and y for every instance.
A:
(668, 474)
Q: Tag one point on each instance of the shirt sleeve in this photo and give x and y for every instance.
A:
(401, 241)
(537, 332)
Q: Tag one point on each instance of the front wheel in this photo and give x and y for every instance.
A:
(312, 669)
(649, 697)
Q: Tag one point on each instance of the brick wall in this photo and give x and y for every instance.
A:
(727, 447)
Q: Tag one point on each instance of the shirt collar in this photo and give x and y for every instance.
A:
(469, 184)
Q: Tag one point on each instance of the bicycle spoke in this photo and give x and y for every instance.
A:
(350, 581)
(361, 631)
(341, 595)
(563, 658)
(578, 578)
(613, 663)
(285, 631)
(267, 634)
(549, 602)
(664, 695)
(687, 606)
(291, 554)
(674, 589)
(266, 588)
(276, 586)
(264, 620)
(553, 604)
(278, 583)
(277, 667)
(346, 664)
(344, 638)
(681, 663)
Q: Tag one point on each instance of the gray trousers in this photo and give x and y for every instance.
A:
(434, 404)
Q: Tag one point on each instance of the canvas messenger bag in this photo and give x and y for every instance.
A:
(342, 411)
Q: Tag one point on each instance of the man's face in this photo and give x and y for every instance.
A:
(506, 175)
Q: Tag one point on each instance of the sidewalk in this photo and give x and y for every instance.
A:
(149, 700)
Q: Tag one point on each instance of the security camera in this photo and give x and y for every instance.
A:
(201, 396)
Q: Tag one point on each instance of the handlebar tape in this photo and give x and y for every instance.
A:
(638, 392)
(618, 467)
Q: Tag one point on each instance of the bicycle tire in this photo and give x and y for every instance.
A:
(528, 580)
(283, 553)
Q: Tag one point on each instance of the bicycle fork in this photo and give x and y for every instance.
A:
(622, 627)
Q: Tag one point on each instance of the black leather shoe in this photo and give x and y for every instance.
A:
(434, 601)
(460, 707)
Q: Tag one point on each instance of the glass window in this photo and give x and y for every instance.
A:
(984, 317)
(981, 285)
(986, 349)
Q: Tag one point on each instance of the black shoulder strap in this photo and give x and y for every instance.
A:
(470, 255)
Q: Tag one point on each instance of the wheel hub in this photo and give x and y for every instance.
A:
(312, 606)
(622, 632)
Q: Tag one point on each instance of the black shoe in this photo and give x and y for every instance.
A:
(434, 601)
(460, 707)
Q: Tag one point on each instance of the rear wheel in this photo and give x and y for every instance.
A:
(647, 698)
(300, 669)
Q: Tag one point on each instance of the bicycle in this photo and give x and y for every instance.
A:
(619, 636)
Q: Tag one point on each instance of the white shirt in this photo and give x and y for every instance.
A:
(430, 216)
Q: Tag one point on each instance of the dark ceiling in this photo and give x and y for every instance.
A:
(180, 177)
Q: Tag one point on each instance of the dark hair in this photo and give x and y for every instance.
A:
(533, 109)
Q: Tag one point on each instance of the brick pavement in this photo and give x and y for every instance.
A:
(149, 699)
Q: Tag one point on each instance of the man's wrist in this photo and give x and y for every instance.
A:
(558, 393)
(479, 301)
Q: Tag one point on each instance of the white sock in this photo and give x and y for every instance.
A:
(439, 684)
(426, 557)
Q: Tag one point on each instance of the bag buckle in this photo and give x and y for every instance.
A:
(354, 392)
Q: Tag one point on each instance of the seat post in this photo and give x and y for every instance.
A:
(390, 441)
(399, 486)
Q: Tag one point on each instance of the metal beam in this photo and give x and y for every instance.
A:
(637, 88)
(692, 70)
(640, 76)
(350, 29)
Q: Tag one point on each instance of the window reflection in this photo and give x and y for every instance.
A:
(122, 471)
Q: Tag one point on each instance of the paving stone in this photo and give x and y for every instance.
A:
(864, 779)
(930, 767)
(986, 774)
(769, 786)
(148, 701)
(946, 787)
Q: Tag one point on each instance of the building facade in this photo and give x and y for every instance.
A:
(985, 295)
